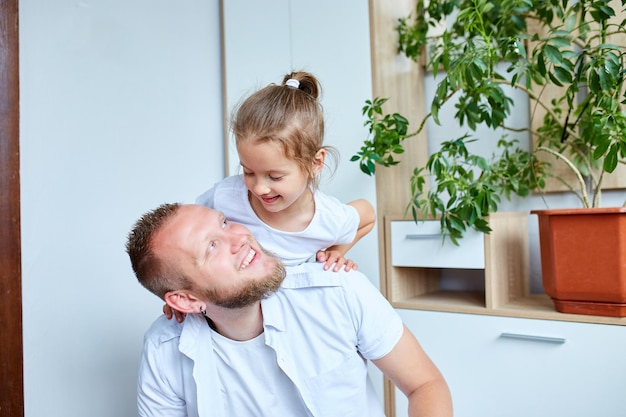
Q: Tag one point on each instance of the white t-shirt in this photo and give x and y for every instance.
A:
(333, 223)
(322, 326)
(251, 381)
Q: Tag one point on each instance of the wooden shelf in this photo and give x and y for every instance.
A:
(470, 301)
(450, 301)
(506, 278)
(536, 306)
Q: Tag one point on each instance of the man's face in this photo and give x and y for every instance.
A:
(225, 264)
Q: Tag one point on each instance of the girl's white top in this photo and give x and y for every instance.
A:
(334, 223)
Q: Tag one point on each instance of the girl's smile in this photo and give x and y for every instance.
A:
(279, 188)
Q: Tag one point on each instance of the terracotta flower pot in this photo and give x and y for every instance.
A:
(583, 259)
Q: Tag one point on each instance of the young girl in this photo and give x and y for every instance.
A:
(279, 134)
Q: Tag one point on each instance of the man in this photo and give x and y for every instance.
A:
(259, 340)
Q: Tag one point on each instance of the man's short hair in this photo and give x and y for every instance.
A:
(152, 272)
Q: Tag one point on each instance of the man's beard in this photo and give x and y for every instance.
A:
(251, 292)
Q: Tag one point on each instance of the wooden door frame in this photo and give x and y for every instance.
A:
(11, 345)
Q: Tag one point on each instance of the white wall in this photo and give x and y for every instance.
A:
(121, 111)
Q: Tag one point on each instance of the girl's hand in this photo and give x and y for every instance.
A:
(330, 257)
(170, 312)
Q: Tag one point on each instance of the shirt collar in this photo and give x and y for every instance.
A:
(302, 276)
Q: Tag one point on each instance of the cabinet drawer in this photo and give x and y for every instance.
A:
(512, 367)
(420, 245)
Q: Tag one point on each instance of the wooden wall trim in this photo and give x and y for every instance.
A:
(11, 352)
(401, 81)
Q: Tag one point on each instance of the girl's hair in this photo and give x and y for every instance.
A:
(288, 115)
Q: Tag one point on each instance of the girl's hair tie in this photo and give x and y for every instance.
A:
(292, 83)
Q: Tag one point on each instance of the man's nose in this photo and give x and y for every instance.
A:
(238, 239)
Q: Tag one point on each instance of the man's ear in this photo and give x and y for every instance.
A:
(183, 301)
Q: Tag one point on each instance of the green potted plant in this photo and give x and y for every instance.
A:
(564, 56)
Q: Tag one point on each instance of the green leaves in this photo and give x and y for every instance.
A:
(485, 48)
(386, 131)
(468, 187)
(567, 49)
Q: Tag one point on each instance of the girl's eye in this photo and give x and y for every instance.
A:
(224, 224)
(248, 174)
(212, 246)
(276, 178)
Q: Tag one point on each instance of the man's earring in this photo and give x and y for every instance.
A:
(208, 319)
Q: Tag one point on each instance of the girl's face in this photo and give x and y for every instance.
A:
(274, 180)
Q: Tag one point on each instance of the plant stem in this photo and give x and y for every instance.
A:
(429, 115)
(579, 177)
(539, 102)
(598, 190)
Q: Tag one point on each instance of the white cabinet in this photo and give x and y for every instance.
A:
(515, 367)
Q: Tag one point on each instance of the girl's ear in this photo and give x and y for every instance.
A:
(183, 301)
(318, 161)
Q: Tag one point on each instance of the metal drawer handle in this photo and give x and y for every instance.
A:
(423, 236)
(557, 340)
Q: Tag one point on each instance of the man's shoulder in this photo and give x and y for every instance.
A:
(313, 275)
(162, 331)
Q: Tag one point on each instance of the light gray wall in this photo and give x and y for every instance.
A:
(121, 111)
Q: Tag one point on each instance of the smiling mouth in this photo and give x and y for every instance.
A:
(248, 259)
(269, 199)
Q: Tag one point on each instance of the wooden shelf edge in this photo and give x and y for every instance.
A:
(534, 306)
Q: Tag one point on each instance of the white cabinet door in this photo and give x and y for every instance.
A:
(510, 367)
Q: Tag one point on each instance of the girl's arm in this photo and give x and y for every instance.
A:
(336, 254)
